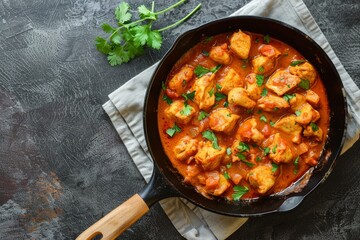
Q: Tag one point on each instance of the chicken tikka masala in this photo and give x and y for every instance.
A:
(242, 115)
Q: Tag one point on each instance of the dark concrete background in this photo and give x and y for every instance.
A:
(63, 166)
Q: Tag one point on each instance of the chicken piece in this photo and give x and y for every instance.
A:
(229, 81)
(269, 51)
(296, 101)
(216, 184)
(240, 43)
(306, 114)
(289, 125)
(262, 178)
(312, 97)
(280, 151)
(282, 81)
(253, 90)
(179, 81)
(304, 71)
(180, 112)
(220, 54)
(262, 65)
(204, 91)
(222, 120)
(313, 131)
(248, 132)
(239, 96)
(185, 148)
(271, 103)
(265, 63)
(209, 157)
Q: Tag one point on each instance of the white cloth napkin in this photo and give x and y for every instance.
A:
(126, 105)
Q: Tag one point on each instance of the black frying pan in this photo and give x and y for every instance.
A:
(167, 182)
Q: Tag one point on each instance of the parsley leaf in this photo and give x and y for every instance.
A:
(189, 96)
(186, 111)
(274, 149)
(272, 123)
(267, 39)
(211, 92)
(239, 191)
(201, 71)
(287, 97)
(121, 12)
(296, 62)
(228, 165)
(266, 151)
(205, 53)
(296, 165)
(261, 69)
(263, 118)
(259, 80)
(210, 135)
(314, 127)
(128, 39)
(226, 175)
(264, 92)
(304, 84)
(219, 96)
(249, 164)
(243, 147)
(298, 113)
(202, 115)
(167, 99)
(171, 131)
(274, 167)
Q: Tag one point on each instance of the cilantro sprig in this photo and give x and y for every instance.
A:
(128, 39)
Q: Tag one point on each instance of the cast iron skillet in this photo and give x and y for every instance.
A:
(166, 182)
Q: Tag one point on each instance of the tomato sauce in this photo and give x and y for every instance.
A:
(257, 156)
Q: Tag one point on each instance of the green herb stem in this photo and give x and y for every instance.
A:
(181, 20)
(170, 7)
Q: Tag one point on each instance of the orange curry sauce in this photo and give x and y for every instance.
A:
(257, 153)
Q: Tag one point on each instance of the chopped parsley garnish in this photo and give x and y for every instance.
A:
(202, 115)
(201, 71)
(258, 158)
(272, 123)
(226, 104)
(189, 96)
(264, 92)
(266, 151)
(304, 84)
(167, 99)
(263, 118)
(241, 156)
(184, 83)
(163, 86)
(276, 109)
(296, 165)
(256, 40)
(287, 97)
(243, 66)
(210, 135)
(219, 96)
(267, 39)
(218, 86)
(261, 69)
(211, 92)
(249, 164)
(228, 165)
(171, 131)
(274, 149)
(259, 80)
(243, 147)
(186, 111)
(249, 111)
(298, 113)
(274, 167)
(296, 62)
(226, 175)
(239, 191)
(314, 127)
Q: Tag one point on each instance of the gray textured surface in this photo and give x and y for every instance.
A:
(62, 165)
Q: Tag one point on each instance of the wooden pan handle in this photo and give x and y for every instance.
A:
(118, 220)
